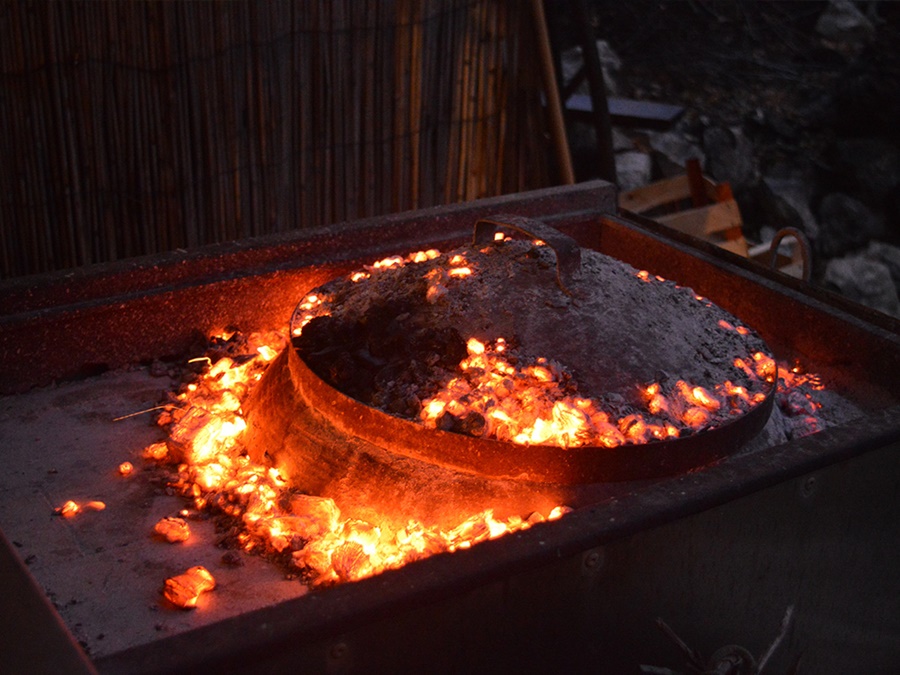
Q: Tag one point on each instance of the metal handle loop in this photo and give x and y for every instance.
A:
(802, 242)
(568, 253)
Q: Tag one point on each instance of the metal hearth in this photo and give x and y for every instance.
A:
(718, 553)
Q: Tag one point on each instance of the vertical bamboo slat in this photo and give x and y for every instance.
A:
(141, 127)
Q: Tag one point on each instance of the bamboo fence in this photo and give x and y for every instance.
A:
(129, 128)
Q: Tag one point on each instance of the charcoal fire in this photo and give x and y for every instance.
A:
(308, 534)
(292, 495)
(491, 342)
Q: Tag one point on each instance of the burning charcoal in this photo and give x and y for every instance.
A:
(173, 530)
(796, 403)
(314, 515)
(350, 561)
(126, 468)
(70, 509)
(473, 424)
(448, 422)
(182, 436)
(185, 589)
(315, 556)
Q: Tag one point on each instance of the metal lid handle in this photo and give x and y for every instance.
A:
(568, 253)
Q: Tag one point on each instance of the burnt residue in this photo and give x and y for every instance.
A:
(385, 357)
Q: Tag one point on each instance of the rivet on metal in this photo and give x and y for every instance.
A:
(592, 561)
(338, 651)
(808, 487)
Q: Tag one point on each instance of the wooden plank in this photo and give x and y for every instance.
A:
(648, 197)
(705, 220)
(670, 191)
(738, 246)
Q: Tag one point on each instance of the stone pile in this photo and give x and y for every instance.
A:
(843, 191)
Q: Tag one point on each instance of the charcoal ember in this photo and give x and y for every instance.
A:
(172, 530)
(350, 561)
(184, 590)
(313, 516)
(181, 438)
(470, 424)
(473, 424)
(315, 557)
(795, 403)
(384, 358)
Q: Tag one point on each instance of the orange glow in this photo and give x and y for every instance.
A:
(126, 468)
(184, 590)
(172, 530)
(71, 508)
(311, 307)
(525, 400)
(68, 510)
(527, 403)
(531, 403)
(323, 544)
(392, 261)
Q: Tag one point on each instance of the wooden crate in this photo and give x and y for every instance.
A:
(694, 204)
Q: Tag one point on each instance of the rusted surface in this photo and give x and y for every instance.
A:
(149, 307)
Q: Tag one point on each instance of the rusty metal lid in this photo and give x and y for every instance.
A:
(393, 336)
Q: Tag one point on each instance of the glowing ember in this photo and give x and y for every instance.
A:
(172, 530)
(156, 452)
(496, 392)
(126, 468)
(308, 531)
(185, 589)
(534, 402)
(70, 509)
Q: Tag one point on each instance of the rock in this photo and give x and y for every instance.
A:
(621, 141)
(610, 63)
(869, 168)
(842, 23)
(866, 98)
(729, 157)
(672, 151)
(887, 255)
(783, 198)
(865, 281)
(845, 224)
(633, 169)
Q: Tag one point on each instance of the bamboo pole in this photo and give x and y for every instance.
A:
(551, 91)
